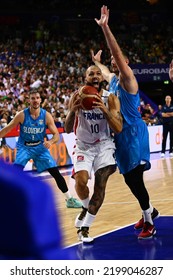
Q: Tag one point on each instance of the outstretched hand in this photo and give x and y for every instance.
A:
(99, 104)
(104, 16)
(97, 56)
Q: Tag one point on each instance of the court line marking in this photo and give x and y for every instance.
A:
(80, 242)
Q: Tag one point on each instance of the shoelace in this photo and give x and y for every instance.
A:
(84, 232)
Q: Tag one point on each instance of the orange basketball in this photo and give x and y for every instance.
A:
(87, 95)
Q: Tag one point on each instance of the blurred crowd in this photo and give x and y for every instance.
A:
(52, 55)
(151, 115)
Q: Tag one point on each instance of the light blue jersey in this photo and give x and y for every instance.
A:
(30, 142)
(33, 130)
(132, 144)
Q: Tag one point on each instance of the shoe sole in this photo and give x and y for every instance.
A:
(155, 218)
(71, 206)
(88, 242)
(149, 237)
(85, 241)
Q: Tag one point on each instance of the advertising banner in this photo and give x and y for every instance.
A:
(150, 72)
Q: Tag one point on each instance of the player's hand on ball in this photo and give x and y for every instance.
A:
(98, 103)
(75, 102)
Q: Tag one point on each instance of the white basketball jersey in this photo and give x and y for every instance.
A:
(91, 126)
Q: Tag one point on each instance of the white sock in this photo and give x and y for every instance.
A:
(151, 208)
(85, 202)
(88, 220)
(147, 216)
(67, 195)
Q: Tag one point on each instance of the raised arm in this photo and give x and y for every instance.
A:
(127, 78)
(14, 123)
(96, 58)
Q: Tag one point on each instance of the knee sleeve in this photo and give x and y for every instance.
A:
(60, 181)
(134, 180)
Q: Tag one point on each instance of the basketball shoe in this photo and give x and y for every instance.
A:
(147, 232)
(154, 215)
(83, 235)
(79, 219)
(73, 203)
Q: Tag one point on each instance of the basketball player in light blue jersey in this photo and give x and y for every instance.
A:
(132, 144)
(32, 143)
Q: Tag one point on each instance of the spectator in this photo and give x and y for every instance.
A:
(158, 115)
(167, 118)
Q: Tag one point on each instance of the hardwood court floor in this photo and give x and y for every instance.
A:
(120, 207)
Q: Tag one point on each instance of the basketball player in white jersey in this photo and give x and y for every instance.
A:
(94, 149)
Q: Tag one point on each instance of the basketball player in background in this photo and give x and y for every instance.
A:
(132, 143)
(32, 144)
(94, 149)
